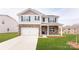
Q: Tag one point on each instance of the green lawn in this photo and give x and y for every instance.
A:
(7, 36)
(56, 43)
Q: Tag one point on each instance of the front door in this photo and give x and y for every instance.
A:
(44, 30)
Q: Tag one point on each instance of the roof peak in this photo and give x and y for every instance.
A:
(33, 10)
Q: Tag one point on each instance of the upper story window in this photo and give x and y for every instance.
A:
(21, 18)
(25, 18)
(37, 18)
(52, 19)
(30, 18)
(43, 19)
(55, 19)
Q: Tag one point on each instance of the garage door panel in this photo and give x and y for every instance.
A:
(29, 31)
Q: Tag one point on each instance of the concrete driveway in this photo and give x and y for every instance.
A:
(20, 43)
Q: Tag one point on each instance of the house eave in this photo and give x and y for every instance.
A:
(52, 24)
(39, 13)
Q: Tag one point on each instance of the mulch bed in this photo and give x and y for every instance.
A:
(56, 36)
(73, 44)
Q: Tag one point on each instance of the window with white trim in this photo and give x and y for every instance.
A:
(25, 18)
(22, 18)
(51, 19)
(43, 19)
(37, 18)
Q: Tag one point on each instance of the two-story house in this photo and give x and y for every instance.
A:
(33, 22)
(8, 24)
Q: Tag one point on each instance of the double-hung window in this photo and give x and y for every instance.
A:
(43, 19)
(51, 19)
(37, 18)
(22, 18)
(55, 19)
(25, 18)
(29, 18)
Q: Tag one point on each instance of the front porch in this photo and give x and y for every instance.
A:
(50, 30)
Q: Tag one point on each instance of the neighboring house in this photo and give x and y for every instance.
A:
(74, 29)
(68, 30)
(33, 22)
(8, 24)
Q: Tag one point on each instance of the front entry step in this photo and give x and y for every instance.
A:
(44, 36)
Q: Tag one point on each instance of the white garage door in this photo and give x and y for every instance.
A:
(29, 31)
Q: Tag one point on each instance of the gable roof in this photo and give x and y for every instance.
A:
(29, 9)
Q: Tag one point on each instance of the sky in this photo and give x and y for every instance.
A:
(67, 16)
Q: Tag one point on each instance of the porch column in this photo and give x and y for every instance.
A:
(40, 30)
(61, 30)
(47, 30)
(19, 30)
